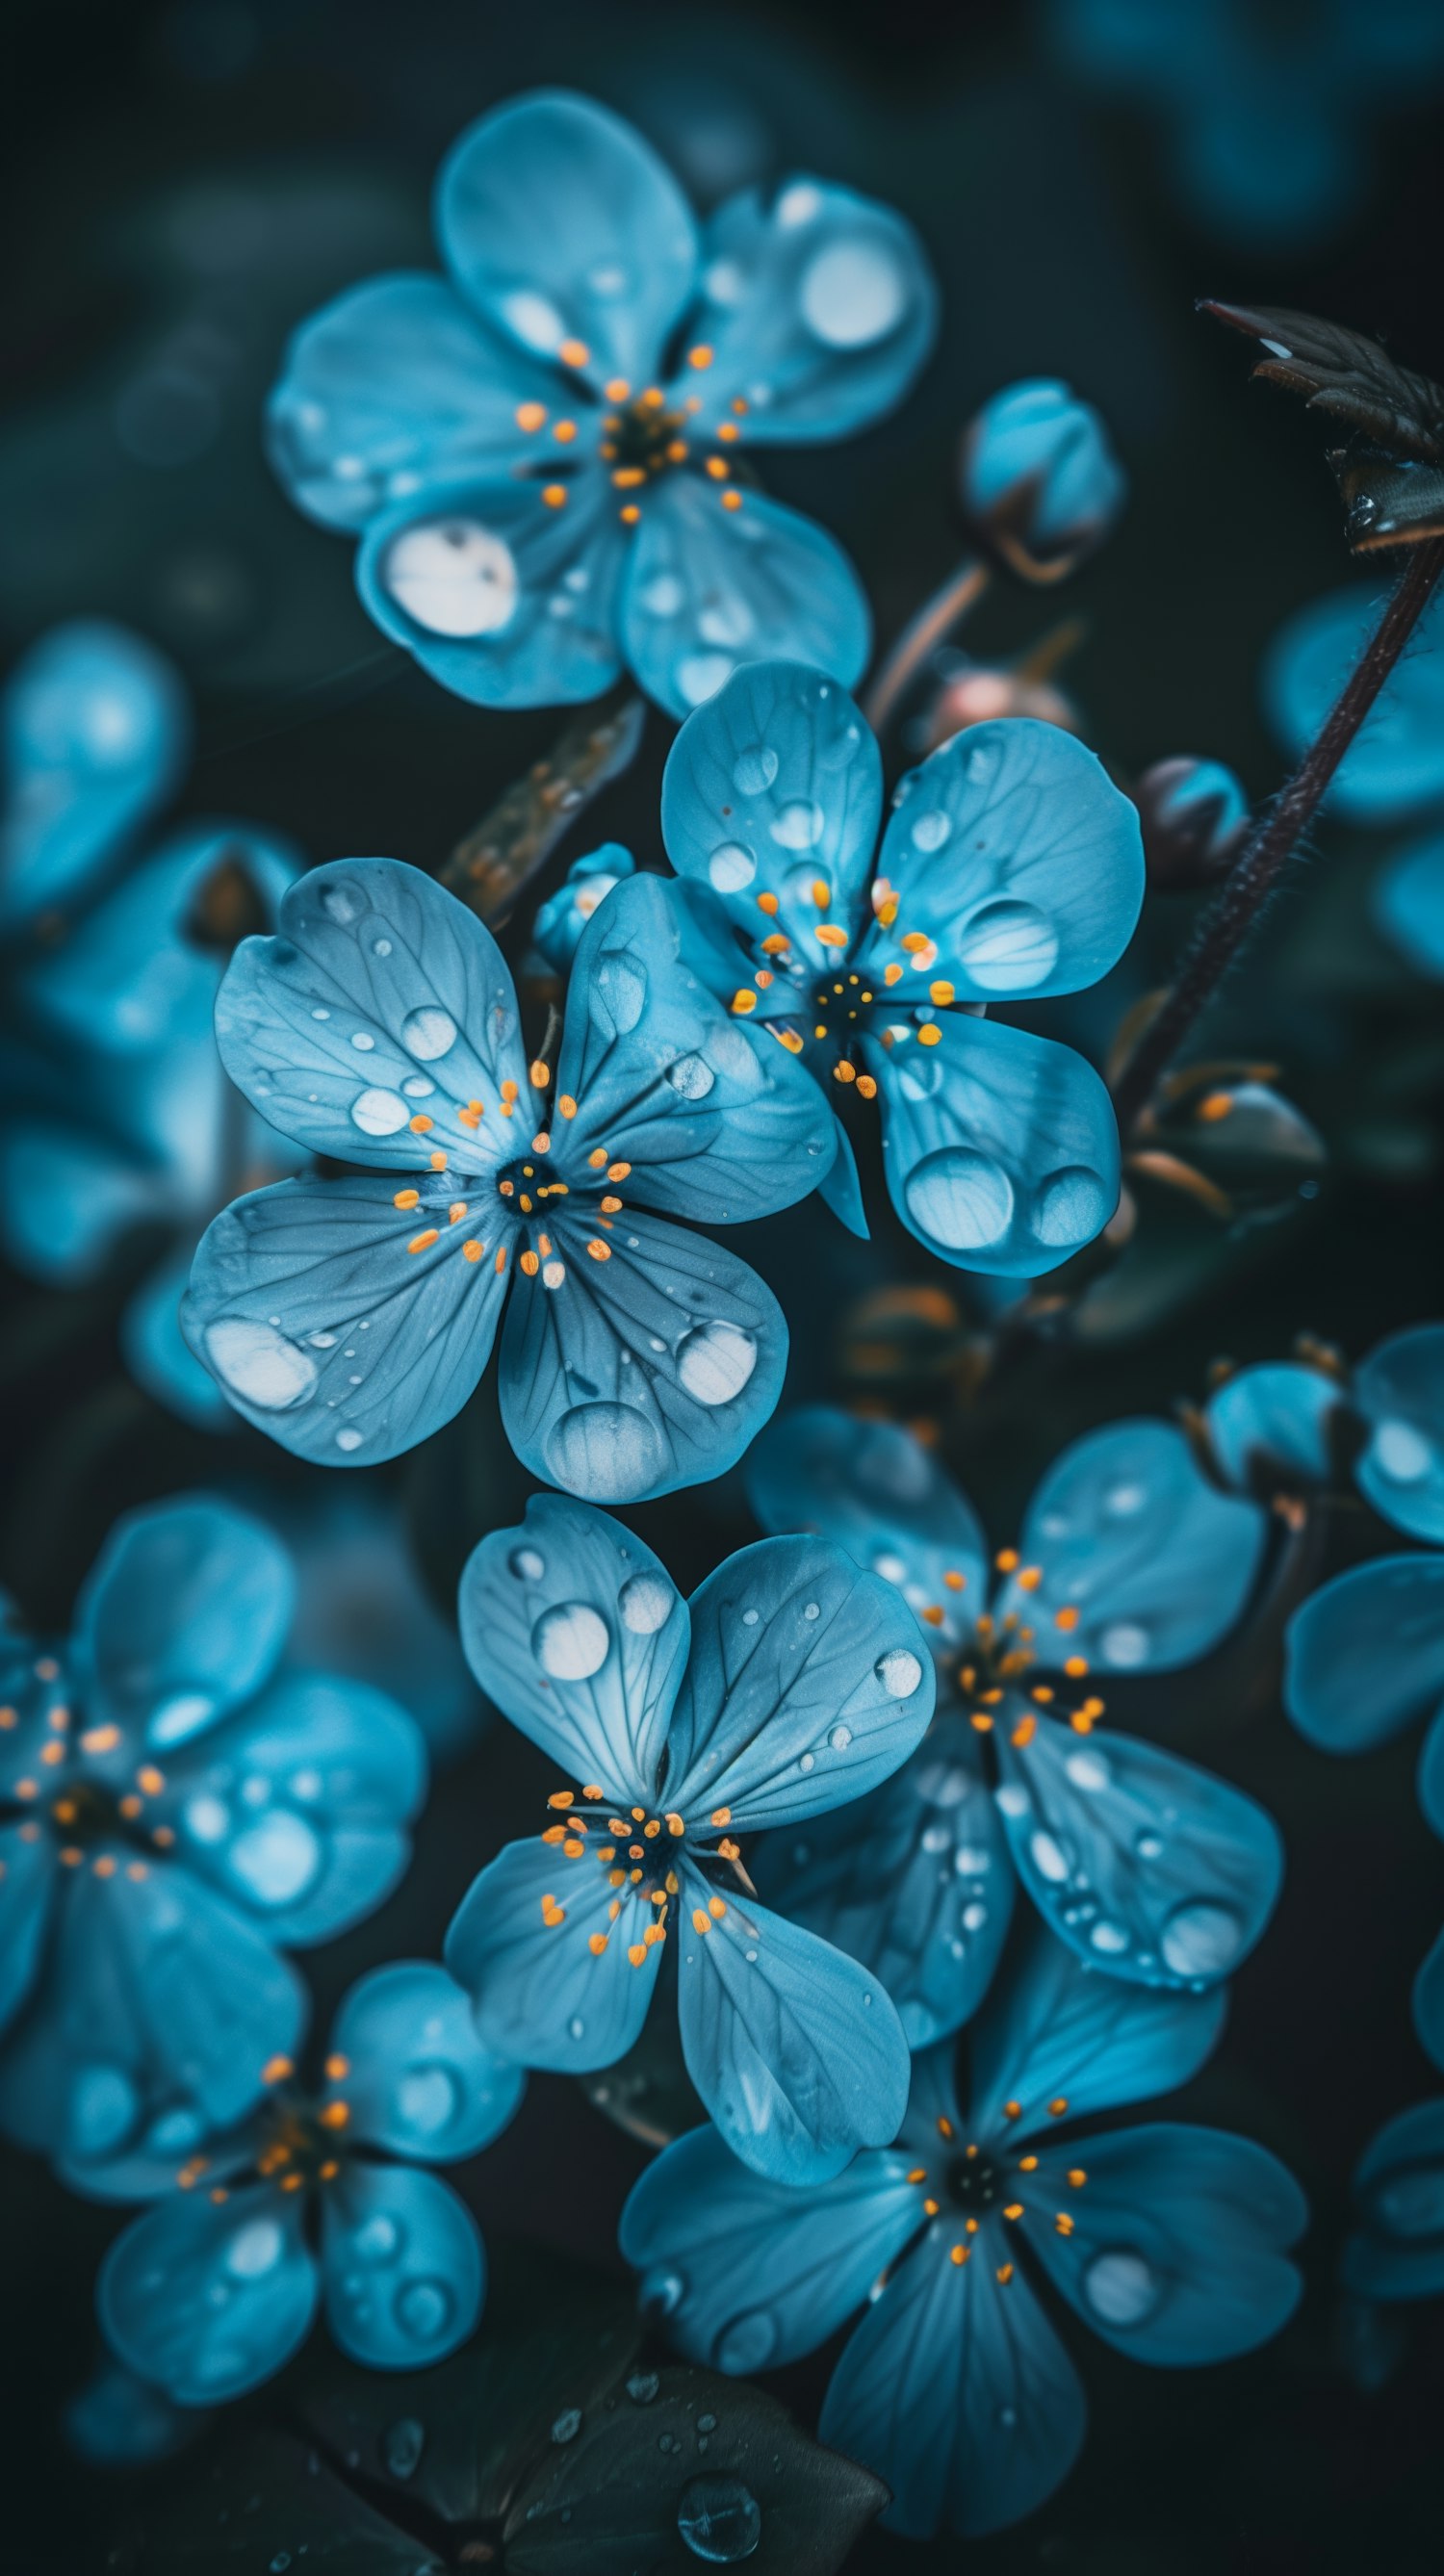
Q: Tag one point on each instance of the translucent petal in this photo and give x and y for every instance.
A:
(521, 1945)
(392, 384)
(1395, 765)
(794, 2049)
(749, 2274)
(94, 730)
(1398, 2252)
(1055, 2031)
(579, 1634)
(413, 2072)
(1126, 1530)
(1365, 1656)
(402, 2265)
(563, 917)
(325, 1329)
(1176, 2252)
(774, 787)
(841, 1190)
(1273, 1418)
(1014, 854)
(710, 586)
(1001, 1148)
(819, 308)
(379, 1025)
(956, 2389)
(560, 225)
(1408, 904)
(208, 2302)
(646, 1365)
(1399, 1389)
(809, 1683)
(183, 1616)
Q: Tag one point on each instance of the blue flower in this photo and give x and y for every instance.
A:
(560, 921)
(1040, 481)
(1395, 765)
(1396, 2250)
(543, 448)
(1149, 1868)
(316, 2201)
(1011, 868)
(789, 1683)
(1167, 2240)
(117, 1113)
(351, 1318)
(171, 1812)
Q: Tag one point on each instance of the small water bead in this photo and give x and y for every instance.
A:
(424, 2309)
(567, 2425)
(428, 1033)
(320, 1015)
(797, 825)
(701, 675)
(750, 1618)
(576, 2027)
(277, 1859)
(645, 1602)
(1401, 1453)
(259, 1364)
(571, 1641)
(1088, 1770)
(663, 595)
(454, 577)
(348, 1440)
(1070, 1208)
(363, 1039)
(339, 903)
(1124, 1645)
(754, 770)
(893, 1569)
(719, 2519)
(1012, 1800)
(715, 1361)
(706, 2423)
(1008, 947)
(960, 1199)
(642, 2387)
(1120, 2287)
(402, 2445)
(1122, 1501)
(1110, 1939)
(852, 294)
(381, 947)
(607, 1450)
(1049, 1859)
(840, 1738)
(731, 868)
(417, 1086)
(1201, 1939)
(807, 1762)
(1148, 1846)
(691, 1077)
(899, 1672)
(379, 1113)
(428, 2099)
(931, 830)
(527, 1564)
(376, 2239)
(255, 2249)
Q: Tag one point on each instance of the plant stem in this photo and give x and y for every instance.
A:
(1223, 929)
(921, 636)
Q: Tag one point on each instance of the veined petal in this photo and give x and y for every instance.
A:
(560, 921)
(715, 1123)
(416, 2078)
(774, 789)
(794, 2049)
(563, 228)
(1176, 2249)
(94, 733)
(402, 2265)
(809, 1682)
(873, 1489)
(28, 1875)
(579, 1634)
(646, 1363)
(1142, 1863)
(524, 1944)
(720, 576)
(1408, 904)
(394, 383)
(1398, 2252)
(1365, 1656)
(956, 2389)
(1126, 1531)
(747, 2273)
(207, 2302)
(379, 1025)
(1001, 1148)
(327, 1330)
(916, 1883)
(841, 1190)
(1012, 852)
(1275, 1417)
(183, 1616)
(504, 589)
(1056, 2032)
(820, 309)
(1399, 1389)
(297, 1808)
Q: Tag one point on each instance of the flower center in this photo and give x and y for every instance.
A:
(637, 1849)
(976, 2184)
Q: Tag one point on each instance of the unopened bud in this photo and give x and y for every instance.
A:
(1195, 816)
(1040, 482)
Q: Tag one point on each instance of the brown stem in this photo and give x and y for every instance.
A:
(921, 636)
(1272, 842)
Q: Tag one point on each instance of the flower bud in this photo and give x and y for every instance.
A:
(1040, 482)
(969, 693)
(1195, 816)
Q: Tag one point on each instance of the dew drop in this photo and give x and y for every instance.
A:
(102, 2109)
(428, 2099)
(402, 2446)
(1088, 1770)
(691, 1077)
(376, 2239)
(275, 1859)
(853, 293)
(715, 1361)
(1070, 1208)
(719, 2519)
(1201, 1939)
(1401, 1453)
(424, 2309)
(571, 1641)
(931, 830)
(840, 1738)
(1124, 1645)
(363, 1040)
(1148, 1846)
(663, 595)
(379, 1113)
(339, 904)
(527, 1564)
(798, 825)
(428, 1032)
(348, 1439)
(1109, 1939)
(259, 1364)
(1008, 947)
(567, 2425)
(453, 576)
(611, 1452)
(701, 675)
(731, 867)
(417, 1086)
(899, 1672)
(255, 2249)
(754, 770)
(960, 1199)
(645, 1603)
(642, 2387)
(1120, 2287)
(750, 1618)
(381, 947)
(1049, 1860)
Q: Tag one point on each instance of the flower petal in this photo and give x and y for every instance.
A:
(1408, 904)
(716, 1126)
(28, 1876)
(521, 1945)
(94, 734)
(873, 1489)
(1001, 1148)
(1012, 852)
(720, 576)
(402, 2264)
(1365, 1656)
(67, 1195)
(379, 1025)
(393, 383)
(1395, 765)
(1398, 2252)
(917, 1884)
(956, 2389)
(1399, 1389)
(1175, 2254)
(820, 309)
(324, 1328)
(749, 2274)
(841, 1190)
(416, 2078)
(1126, 1531)
(561, 225)
(560, 921)
(297, 1809)
(774, 788)
(1055, 2031)
(156, 1352)
(1275, 1417)
(208, 2302)
(647, 1364)
(183, 1616)
(1142, 1863)
(809, 1683)
(794, 2049)
(1430, 1782)
(579, 1634)
(504, 589)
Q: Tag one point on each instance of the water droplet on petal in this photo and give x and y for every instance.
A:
(255, 2249)
(899, 1672)
(754, 770)
(1201, 1939)
(428, 2098)
(1401, 1453)
(610, 1452)
(102, 2108)
(691, 1076)
(731, 867)
(1008, 947)
(376, 2239)
(746, 2343)
(663, 595)
(424, 2309)
(798, 825)
(567, 2425)
(362, 1039)
(646, 1603)
(642, 2387)
(715, 1361)
(931, 829)
(960, 1199)
(840, 1737)
(402, 2446)
(1148, 1846)
(1049, 1860)
(853, 293)
(275, 1859)
(571, 1641)
(1109, 1939)
(379, 1113)
(1124, 1645)
(348, 1439)
(527, 1564)
(1088, 1770)
(701, 675)
(1120, 2287)
(661, 2293)
(1070, 1208)
(453, 576)
(259, 1364)
(339, 904)
(719, 2519)
(428, 1032)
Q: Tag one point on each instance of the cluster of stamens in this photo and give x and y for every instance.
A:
(643, 434)
(634, 1859)
(1001, 1651)
(84, 1813)
(973, 2181)
(837, 1005)
(299, 2138)
(520, 1183)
